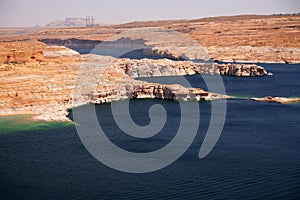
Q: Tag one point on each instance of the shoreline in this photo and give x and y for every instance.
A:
(39, 118)
(40, 78)
(115, 79)
(24, 123)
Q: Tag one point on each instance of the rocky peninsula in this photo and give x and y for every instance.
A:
(44, 85)
(38, 74)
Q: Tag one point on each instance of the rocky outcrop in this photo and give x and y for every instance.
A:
(16, 56)
(241, 70)
(46, 89)
(142, 90)
(114, 85)
(281, 100)
(59, 51)
(165, 67)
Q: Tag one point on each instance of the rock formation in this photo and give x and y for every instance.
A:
(113, 84)
(282, 100)
(165, 67)
(46, 88)
(59, 51)
(38, 79)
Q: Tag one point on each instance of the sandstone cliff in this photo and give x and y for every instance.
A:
(46, 88)
(165, 67)
(36, 78)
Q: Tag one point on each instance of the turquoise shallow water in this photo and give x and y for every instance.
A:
(19, 123)
(256, 157)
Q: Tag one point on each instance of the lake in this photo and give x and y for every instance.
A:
(256, 157)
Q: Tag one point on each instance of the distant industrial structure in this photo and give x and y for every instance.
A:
(89, 19)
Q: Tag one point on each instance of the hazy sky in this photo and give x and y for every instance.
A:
(40, 12)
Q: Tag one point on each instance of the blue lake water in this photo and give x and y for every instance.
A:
(256, 157)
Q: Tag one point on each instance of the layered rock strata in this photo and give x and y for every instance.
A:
(47, 88)
(165, 67)
(112, 84)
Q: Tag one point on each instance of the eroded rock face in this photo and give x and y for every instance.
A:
(47, 89)
(165, 67)
(144, 90)
(116, 85)
(241, 70)
(59, 51)
(17, 57)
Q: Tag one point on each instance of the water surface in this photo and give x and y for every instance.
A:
(256, 157)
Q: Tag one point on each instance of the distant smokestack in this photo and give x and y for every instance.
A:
(89, 19)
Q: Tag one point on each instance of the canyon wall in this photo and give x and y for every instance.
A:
(46, 89)
(165, 67)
